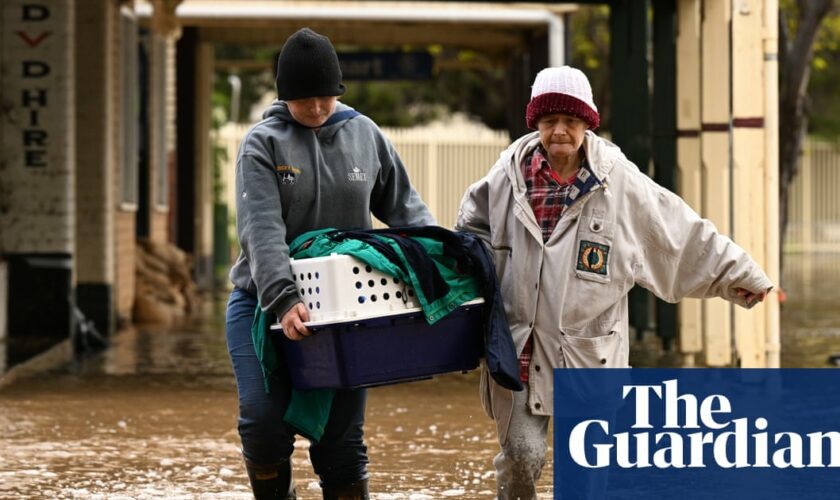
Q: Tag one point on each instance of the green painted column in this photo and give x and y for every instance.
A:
(665, 131)
(630, 107)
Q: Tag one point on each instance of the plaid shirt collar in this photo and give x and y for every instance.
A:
(539, 166)
(582, 181)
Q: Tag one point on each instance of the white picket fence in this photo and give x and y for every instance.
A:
(441, 163)
(814, 204)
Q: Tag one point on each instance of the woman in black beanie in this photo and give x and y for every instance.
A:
(311, 163)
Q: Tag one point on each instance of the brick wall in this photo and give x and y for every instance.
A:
(124, 239)
(124, 217)
(159, 223)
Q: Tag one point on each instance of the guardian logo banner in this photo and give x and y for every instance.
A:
(697, 433)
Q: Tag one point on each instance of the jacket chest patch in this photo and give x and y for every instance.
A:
(356, 175)
(288, 174)
(592, 257)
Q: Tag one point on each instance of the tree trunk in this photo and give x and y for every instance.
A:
(795, 71)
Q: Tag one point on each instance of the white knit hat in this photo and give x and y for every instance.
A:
(562, 90)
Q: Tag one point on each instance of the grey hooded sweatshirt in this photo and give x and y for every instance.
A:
(291, 179)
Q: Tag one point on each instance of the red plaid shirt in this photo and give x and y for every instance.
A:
(547, 194)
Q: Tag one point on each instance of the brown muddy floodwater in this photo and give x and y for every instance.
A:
(811, 314)
(154, 416)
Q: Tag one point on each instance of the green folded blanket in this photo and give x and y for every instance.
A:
(308, 411)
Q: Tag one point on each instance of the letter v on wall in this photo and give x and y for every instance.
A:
(33, 42)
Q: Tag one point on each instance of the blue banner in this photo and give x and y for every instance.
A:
(414, 65)
(697, 433)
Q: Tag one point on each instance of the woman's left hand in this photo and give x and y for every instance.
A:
(751, 297)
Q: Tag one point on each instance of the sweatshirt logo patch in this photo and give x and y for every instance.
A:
(288, 174)
(356, 175)
(592, 257)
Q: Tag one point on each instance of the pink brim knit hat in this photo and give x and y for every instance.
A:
(562, 90)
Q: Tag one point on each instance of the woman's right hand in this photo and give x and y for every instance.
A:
(292, 322)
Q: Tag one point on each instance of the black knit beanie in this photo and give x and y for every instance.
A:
(308, 67)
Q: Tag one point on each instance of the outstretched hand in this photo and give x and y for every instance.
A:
(292, 322)
(751, 298)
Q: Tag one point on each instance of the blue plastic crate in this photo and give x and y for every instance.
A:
(385, 350)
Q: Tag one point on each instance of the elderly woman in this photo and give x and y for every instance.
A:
(573, 225)
(311, 163)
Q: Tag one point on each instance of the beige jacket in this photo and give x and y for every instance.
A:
(640, 233)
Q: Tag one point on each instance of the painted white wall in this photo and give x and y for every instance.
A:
(37, 137)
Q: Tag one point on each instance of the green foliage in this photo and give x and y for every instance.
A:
(256, 82)
(392, 104)
(824, 109)
(590, 51)
(825, 101)
(256, 75)
(465, 81)
(220, 102)
(476, 88)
